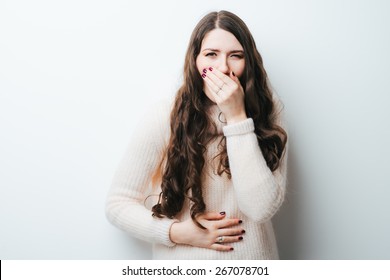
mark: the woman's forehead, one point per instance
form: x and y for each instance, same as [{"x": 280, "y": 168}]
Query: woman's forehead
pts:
[{"x": 219, "y": 39}]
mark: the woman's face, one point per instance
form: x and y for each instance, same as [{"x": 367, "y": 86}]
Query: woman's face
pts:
[{"x": 221, "y": 50}]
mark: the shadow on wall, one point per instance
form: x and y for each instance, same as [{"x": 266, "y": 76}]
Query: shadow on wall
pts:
[{"x": 287, "y": 222}]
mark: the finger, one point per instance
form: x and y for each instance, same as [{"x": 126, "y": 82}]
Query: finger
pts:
[
  {"x": 220, "y": 77},
  {"x": 228, "y": 239},
  {"x": 230, "y": 232},
  {"x": 228, "y": 223},
  {"x": 219, "y": 83},
  {"x": 234, "y": 77},
  {"x": 231, "y": 86},
  {"x": 212, "y": 84},
  {"x": 216, "y": 96},
  {"x": 213, "y": 215},
  {"x": 220, "y": 247}
]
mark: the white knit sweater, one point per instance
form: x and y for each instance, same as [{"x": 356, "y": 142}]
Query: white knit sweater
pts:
[{"x": 253, "y": 194}]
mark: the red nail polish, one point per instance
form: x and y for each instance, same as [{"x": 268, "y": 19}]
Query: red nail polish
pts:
[
  {"x": 240, "y": 221},
  {"x": 243, "y": 231},
  {"x": 231, "y": 249},
  {"x": 211, "y": 69},
  {"x": 222, "y": 213},
  {"x": 204, "y": 70},
  {"x": 203, "y": 76},
  {"x": 240, "y": 238},
  {"x": 233, "y": 74}
]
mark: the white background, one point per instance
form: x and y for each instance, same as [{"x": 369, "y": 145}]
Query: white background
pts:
[{"x": 76, "y": 75}]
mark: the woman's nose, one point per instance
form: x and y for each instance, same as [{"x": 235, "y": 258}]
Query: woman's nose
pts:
[{"x": 223, "y": 66}]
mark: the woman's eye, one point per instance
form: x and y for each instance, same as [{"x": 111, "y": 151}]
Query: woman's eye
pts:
[
  {"x": 237, "y": 56},
  {"x": 211, "y": 54}
]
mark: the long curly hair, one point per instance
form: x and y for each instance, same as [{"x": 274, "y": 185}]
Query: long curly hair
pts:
[{"x": 190, "y": 125}]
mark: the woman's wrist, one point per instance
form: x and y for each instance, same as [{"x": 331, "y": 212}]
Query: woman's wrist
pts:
[
  {"x": 237, "y": 118},
  {"x": 174, "y": 233}
]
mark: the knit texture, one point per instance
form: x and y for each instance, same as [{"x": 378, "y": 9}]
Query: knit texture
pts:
[{"x": 253, "y": 194}]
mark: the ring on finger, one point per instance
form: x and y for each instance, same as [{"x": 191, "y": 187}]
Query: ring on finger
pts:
[
  {"x": 220, "y": 239},
  {"x": 220, "y": 88}
]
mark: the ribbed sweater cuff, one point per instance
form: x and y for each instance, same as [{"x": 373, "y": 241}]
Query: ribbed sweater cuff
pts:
[
  {"x": 162, "y": 232},
  {"x": 239, "y": 128}
]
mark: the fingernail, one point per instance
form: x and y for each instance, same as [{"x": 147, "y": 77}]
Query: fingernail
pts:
[
  {"x": 231, "y": 249},
  {"x": 240, "y": 221},
  {"x": 204, "y": 70},
  {"x": 240, "y": 238},
  {"x": 233, "y": 74},
  {"x": 203, "y": 76},
  {"x": 243, "y": 231},
  {"x": 211, "y": 68},
  {"x": 222, "y": 213}
]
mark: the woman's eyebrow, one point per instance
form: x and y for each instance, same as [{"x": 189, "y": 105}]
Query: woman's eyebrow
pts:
[
  {"x": 217, "y": 50},
  {"x": 210, "y": 49}
]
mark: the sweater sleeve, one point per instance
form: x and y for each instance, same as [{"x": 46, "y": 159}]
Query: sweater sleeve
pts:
[
  {"x": 260, "y": 192},
  {"x": 125, "y": 205}
]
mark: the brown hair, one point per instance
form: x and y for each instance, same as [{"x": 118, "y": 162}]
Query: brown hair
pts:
[{"x": 190, "y": 126}]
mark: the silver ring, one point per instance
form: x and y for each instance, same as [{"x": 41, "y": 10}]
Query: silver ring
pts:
[
  {"x": 220, "y": 88},
  {"x": 220, "y": 239}
]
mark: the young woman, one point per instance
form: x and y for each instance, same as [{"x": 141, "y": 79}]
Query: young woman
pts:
[{"x": 215, "y": 160}]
